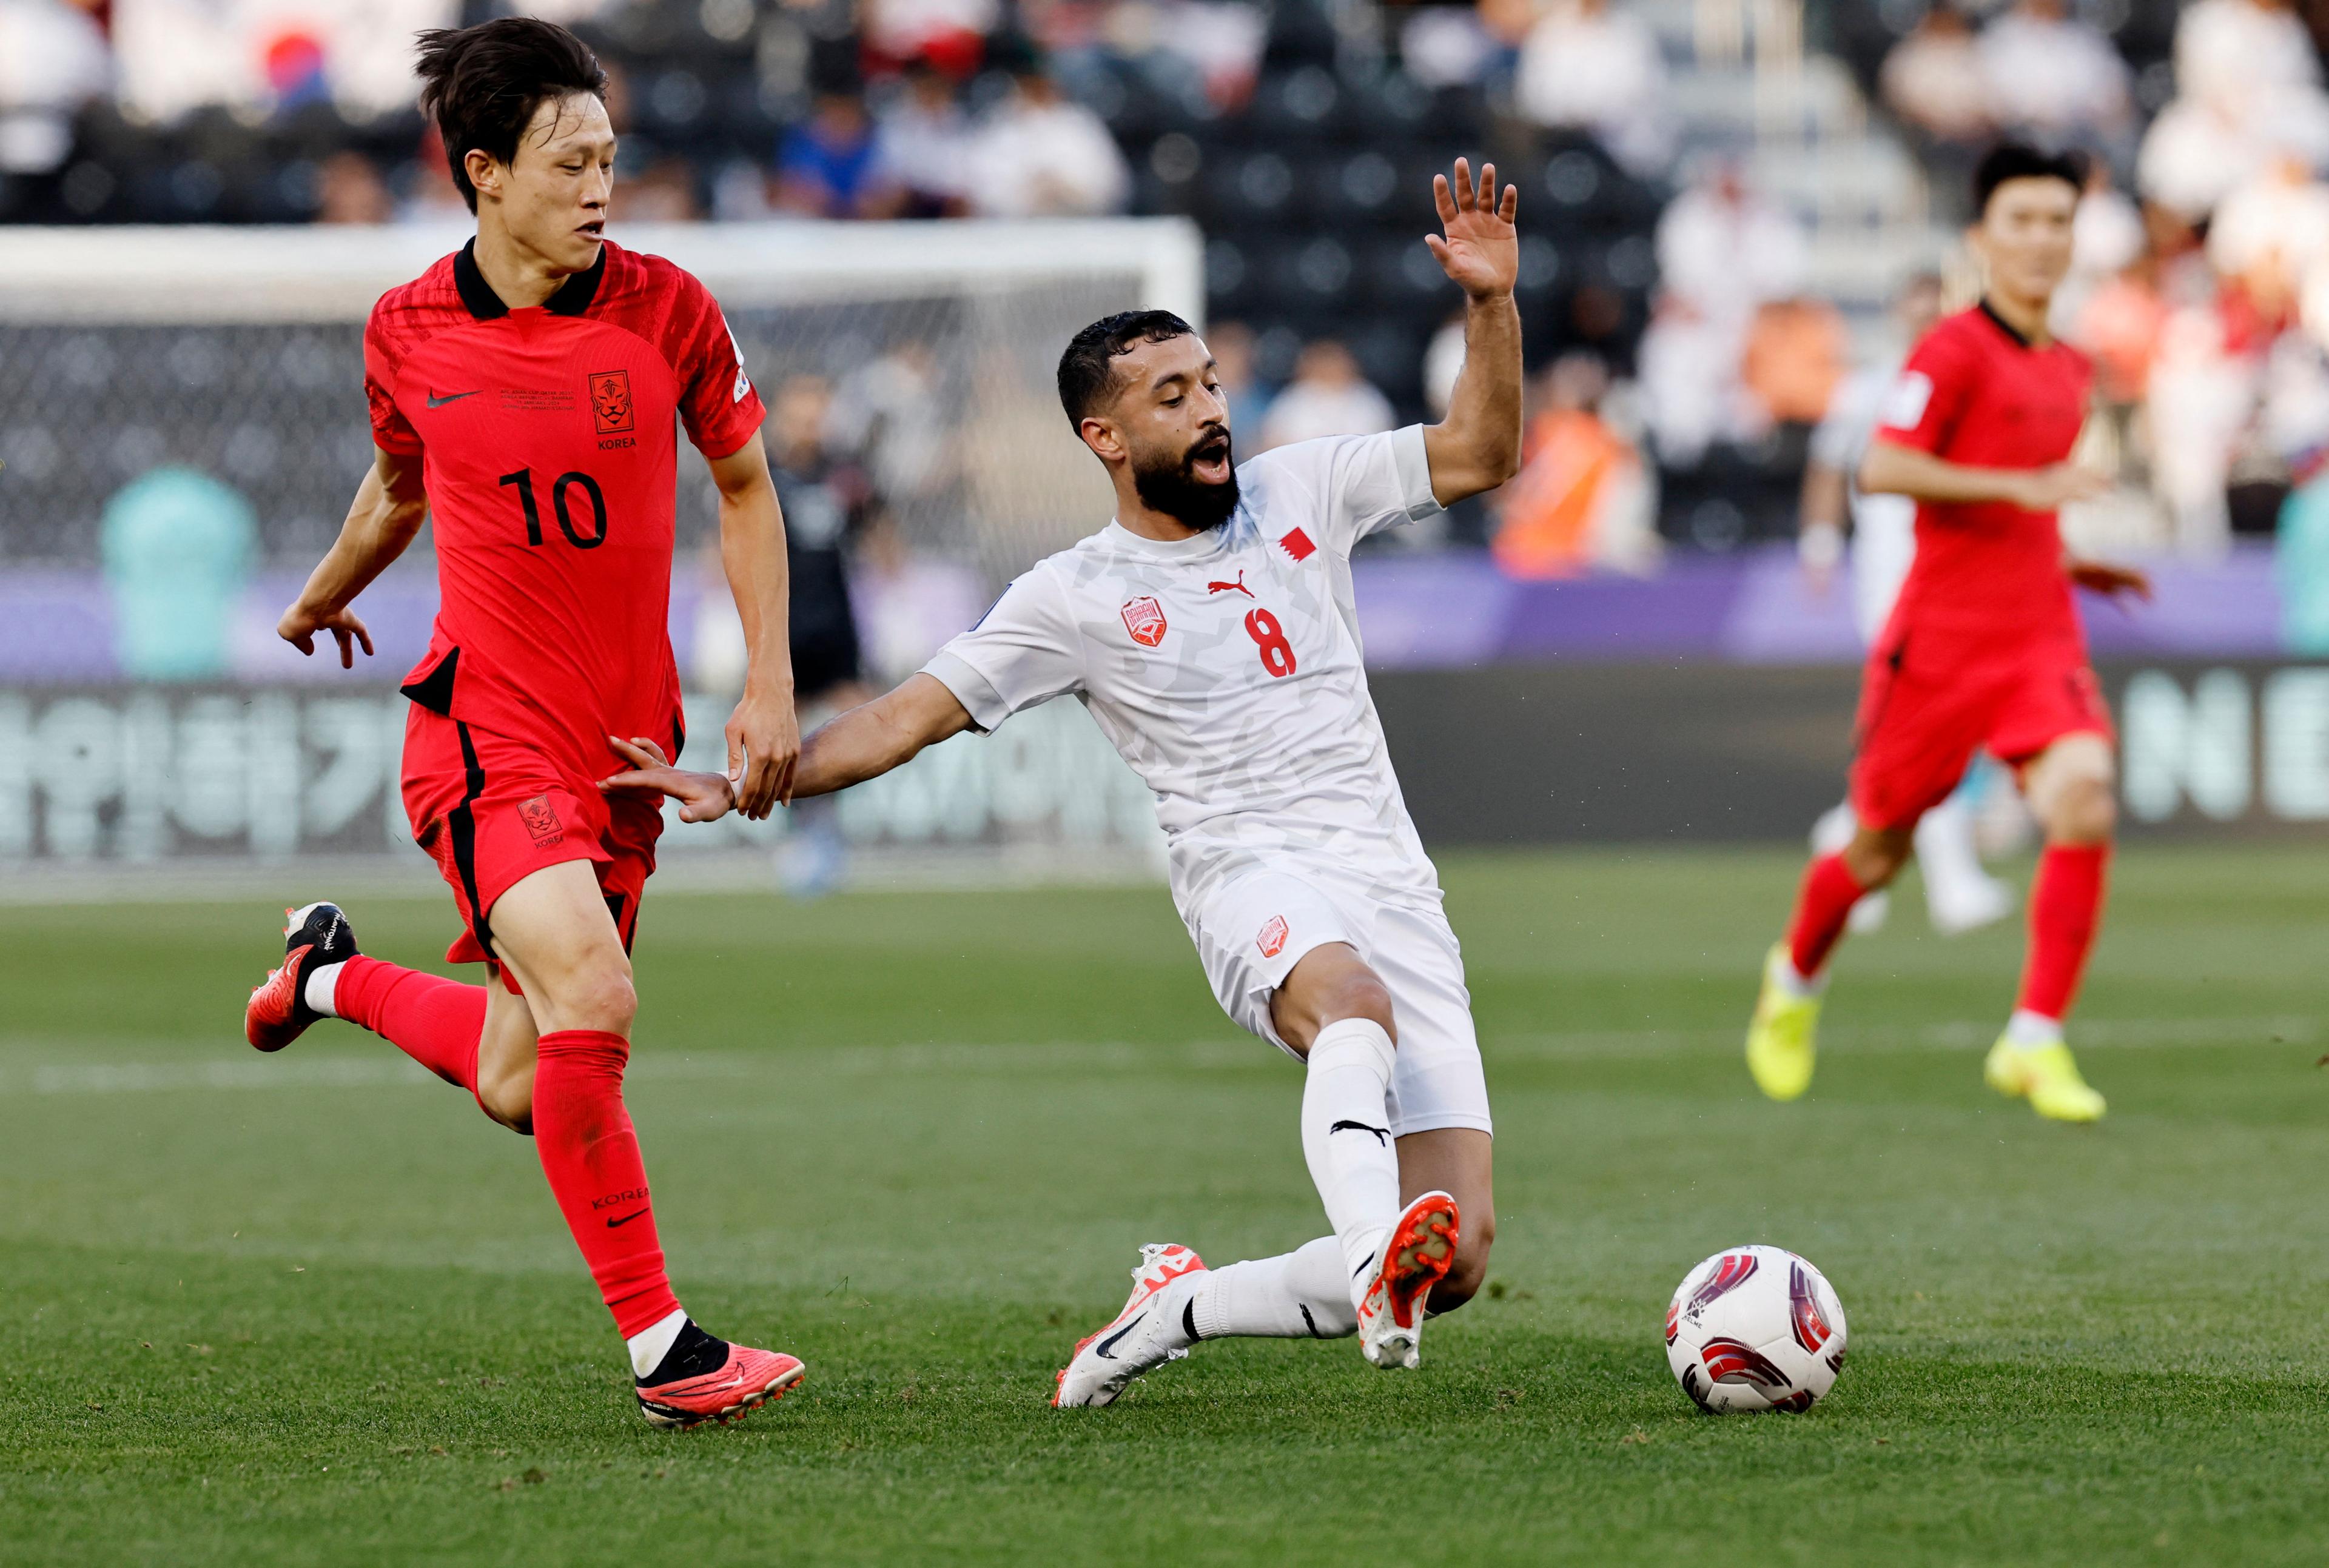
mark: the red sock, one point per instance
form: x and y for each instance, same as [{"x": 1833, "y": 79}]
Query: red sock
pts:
[
  {"x": 435, "y": 1021},
  {"x": 1822, "y": 904},
  {"x": 592, "y": 1156},
  {"x": 2066, "y": 904}
]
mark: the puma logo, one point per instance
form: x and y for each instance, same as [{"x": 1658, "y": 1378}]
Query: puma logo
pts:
[
  {"x": 1236, "y": 587},
  {"x": 1382, "y": 1134}
]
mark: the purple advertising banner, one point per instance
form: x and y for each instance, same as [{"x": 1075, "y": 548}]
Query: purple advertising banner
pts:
[{"x": 1421, "y": 612}]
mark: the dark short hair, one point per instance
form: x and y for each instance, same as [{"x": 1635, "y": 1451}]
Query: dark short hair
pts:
[
  {"x": 2021, "y": 161},
  {"x": 484, "y": 84},
  {"x": 1087, "y": 368}
]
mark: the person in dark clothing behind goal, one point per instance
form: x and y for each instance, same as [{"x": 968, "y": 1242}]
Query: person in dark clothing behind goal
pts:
[{"x": 827, "y": 501}]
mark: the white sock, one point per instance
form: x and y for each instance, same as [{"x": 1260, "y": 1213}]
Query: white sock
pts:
[
  {"x": 1296, "y": 1295},
  {"x": 1346, "y": 1140},
  {"x": 321, "y": 988},
  {"x": 651, "y": 1343},
  {"x": 2033, "y": 1031},
  {"x": 1783, "y": 971}
]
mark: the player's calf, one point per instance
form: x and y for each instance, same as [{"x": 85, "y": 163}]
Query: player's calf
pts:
[
  {"x": 507, "y": 1054},
  {"x": 1470, "y": 1272},
  {"x": 2072, "y": 790}
]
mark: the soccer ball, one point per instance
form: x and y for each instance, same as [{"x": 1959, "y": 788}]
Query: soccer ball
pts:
[{"x": 1755, "y": 1328}]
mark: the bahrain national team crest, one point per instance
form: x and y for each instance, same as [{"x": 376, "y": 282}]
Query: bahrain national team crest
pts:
[
  {"x": 610, "y": 401},
  {"x": 1144, "y": 617},
  {"x": 1272, "y": 939}
]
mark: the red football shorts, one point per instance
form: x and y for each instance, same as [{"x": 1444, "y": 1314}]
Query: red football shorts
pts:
[
  {"x": 1926, "y": 708},
  {"x": 493, "y": 811}
]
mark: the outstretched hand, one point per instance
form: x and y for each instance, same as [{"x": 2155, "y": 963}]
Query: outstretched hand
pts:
[
  {"x": 1481, "y": 249},
  {"x": 300, "y": 623},
  {"x": 703, "y": 797}
]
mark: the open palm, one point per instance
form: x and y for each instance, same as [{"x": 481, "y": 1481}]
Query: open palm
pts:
[{"x": 1481, "y": 250}]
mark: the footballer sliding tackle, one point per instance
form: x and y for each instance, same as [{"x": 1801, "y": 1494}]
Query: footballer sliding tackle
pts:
[{"x": 1209, "y": 630}]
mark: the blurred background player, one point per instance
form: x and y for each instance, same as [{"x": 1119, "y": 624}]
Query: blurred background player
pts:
[
  {"x": 829, "y": 504},
  {"x": 1959, "y": 895},
  {"x": 1985, "y": 647},
  {"x": 1211, "y": 631},
  {"x": 526, "y": 392},
  {"x": 828, "y": 500}
]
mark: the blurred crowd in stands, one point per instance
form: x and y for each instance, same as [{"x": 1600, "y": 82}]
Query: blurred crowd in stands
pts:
[
  {"x": 1683, "y": 345},
  {"x": 2201, "y": 291}
]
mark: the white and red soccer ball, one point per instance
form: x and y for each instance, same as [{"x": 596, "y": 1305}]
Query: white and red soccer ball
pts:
[{"x": 1755, "y": 1328}]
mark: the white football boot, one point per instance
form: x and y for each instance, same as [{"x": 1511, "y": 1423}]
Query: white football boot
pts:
[
  {"x": 1140, "y": 1338},
  {"x": 1419, "y": 1251}
]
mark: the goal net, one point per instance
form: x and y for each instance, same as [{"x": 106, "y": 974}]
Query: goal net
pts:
[{"x": 236, "y": 355}]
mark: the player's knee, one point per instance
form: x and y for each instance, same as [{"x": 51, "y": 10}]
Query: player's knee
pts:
[
  {"x": 1359, "y": 994},
  {"x": 2085, "y": 812},
  {"x": 1875, "y": 856},
  {"x": 602, "y": 998}
]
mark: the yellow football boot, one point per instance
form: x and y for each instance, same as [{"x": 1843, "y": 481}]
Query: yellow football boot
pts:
[
  {"x": 2046, "y": 1076},
  {"x": 1783, "y": 1038}
]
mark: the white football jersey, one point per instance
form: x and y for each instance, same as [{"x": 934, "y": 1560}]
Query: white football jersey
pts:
[{"x": 1226, "y": 670}]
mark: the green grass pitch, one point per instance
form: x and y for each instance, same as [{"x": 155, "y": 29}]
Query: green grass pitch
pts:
[{"x": 315, "y": 1309}]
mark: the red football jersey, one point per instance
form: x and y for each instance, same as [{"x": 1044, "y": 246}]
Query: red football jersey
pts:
[
  {"x": 1975, "y": 392},
  {"x": 549, "y": 448}
]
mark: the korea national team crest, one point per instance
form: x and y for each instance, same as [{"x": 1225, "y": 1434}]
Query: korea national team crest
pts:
[
  {"x": 1272, "y": 939},
  {"x": 1144, "y": 617},
  {"x": 610, "y": 400},
  {"x": 541, "y": 819}
]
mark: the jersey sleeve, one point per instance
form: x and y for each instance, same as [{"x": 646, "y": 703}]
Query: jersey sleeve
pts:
[
  {"x": 716, "y": 401},
  {"x": 1356, "y": 485},
  {"x": 1922, "y": 407},
  {"x": 390, "y": 431},
  {"x": 1024, "y": 650}
]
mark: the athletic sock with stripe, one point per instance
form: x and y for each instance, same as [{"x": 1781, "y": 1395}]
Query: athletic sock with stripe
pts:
[
  {"x": 1346, "y": 1140},
  {"x": 1296, "y": 1295}
]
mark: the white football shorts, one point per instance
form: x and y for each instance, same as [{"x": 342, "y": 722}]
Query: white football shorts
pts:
[{"x": 1252, "y": 932}]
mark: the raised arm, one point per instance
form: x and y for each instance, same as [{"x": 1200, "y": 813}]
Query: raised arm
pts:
[
  {"x": 1479, "y": 446},
  {"x": 386, "y": 514},
  {"x": 863, "y": 743},
  {"x": 764, "y": 732},
  {"x": 1892, "y": 469}
]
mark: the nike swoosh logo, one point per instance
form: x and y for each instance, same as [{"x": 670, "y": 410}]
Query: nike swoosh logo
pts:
[
  {"x": 436, "y": 402},
  {"x": 625, "y": 1219},
  {"x": 1101, "y": 1349}
]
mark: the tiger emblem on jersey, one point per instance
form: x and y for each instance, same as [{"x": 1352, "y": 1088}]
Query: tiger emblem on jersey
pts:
[
  {"x": 610, "y": 401},
  {"x": 1144, "y": 617},
  {"x": 541, "y": 819}
]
